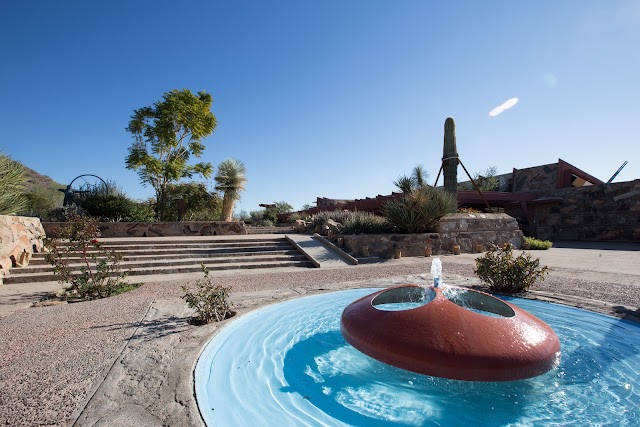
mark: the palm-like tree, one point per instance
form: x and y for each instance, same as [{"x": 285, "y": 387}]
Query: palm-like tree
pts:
[{"x": 230, "y": 180}]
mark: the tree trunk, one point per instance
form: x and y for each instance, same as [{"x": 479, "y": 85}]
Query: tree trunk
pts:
[{"x": 227, "y": 207}]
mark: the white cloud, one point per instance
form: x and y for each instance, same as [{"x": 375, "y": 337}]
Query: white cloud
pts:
[
  {"x": 505, "y": 106},
  {"x": 551, "y": 80}
]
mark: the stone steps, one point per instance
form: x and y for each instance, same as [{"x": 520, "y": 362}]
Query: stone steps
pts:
[
  {"x": 40, "y": 261},
  {"x": 270, "y": 230},
  {"x": 151, "y": 256}
]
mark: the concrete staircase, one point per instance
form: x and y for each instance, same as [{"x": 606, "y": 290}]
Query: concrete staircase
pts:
[{"x": 159, "y": 256}]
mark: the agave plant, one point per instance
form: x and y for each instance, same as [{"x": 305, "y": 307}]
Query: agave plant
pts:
[
  {"x": 366, "y": 223},
  {"x": 419, "y": 210}
]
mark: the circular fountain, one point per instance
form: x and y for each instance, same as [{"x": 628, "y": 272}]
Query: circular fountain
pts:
[
  {"x": 451, "y": 333},
  {"x": 290, "y": 364}
]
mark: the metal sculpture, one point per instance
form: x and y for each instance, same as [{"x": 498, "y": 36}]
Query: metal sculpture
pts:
[{"x": 69, "y": 191}]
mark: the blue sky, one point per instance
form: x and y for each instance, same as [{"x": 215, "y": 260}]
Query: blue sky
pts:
[{"x": 334, "y": 98}]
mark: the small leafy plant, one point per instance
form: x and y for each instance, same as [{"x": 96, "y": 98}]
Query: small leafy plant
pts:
[
  {"x": 504, "y": 273},
  {"x": 211, "y": 302},
  {"x": 536, "y": 244},
  {"x": 97, "y": 273}
]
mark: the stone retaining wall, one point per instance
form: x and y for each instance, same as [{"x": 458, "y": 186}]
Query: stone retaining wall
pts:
[
  {"x": 465, "y": 230},
  {"x": 161, "y": 229},
  {"x": 20, "y": 236}
]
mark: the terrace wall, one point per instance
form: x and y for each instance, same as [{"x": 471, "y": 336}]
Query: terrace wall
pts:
[
  {"x": 465, "y": 230},
  {"x": 161, "y": 229},
  {"x": 20, "y": 236}
]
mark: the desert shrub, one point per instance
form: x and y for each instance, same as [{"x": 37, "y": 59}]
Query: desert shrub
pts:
[
  {"x": 366, "y": 223},
  {"x": 294, "y": 217},
  {"x": 97, "y": 273},
  {"x": 469, "y": 210},
  {"x": 110, "y": 203},
  {"x": 210, "y": 301},
  {"x": 419, "y": 209},
  {"x": 340, "y": 216},
  {"x": 504, "y": 273},
  {"x": 536, "y": 244},
  {"x": 41, "y": 201}
]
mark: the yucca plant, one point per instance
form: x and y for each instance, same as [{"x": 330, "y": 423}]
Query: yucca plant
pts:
[
  {"x": 12, "y": 179},
  {"x": 230, "y": 180},
  {"x": 419, "y": 210}
]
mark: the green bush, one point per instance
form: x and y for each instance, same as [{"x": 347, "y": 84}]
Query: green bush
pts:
[
  {"x": 41, "y": 201},
  {"x": 109, "y": 203},
  {"x": 419, "y": 209},
  {"x": 536, "y": 244},
  {"x": 503, "y": 273},
  {"x": 97, "y": 274},
  {"x": 211, "y": 302}
]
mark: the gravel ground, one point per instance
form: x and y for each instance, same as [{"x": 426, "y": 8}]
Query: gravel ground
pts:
[{"x": 54, "y": 358}]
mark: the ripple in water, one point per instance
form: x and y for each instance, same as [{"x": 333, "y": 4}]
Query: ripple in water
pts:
[{"x": 287, "y": 364}]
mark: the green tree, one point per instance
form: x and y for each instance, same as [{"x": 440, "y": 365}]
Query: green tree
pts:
[
  {"x": 230, "y": 180},
  {"x": 194, "y": 200},
  {"x": 165, "y": 137},
  {"x": 283, "y": 207},
  {"x": 486, "y": 181},
  {"x": 12, "y": 178},
  {"x": 271, "y": 213}
]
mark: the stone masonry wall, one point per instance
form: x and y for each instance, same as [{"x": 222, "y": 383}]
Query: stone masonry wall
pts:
[
  {"x": 536, "y": 178},
  {"x": 162, "y": 229},
  {"x": 595, "y": 212},
  {"x": 20, "y": 236},
  {"x": 466, "y": 230}
]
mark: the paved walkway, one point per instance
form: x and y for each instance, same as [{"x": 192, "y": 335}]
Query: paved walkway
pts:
[{"x": 317, "y": 252}]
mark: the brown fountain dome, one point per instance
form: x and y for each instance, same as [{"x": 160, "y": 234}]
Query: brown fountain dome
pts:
[{"x": 459, "y": 334}]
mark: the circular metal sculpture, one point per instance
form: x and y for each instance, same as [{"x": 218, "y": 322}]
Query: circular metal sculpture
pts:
[
  {"x": 452, "y": 333},
  {"x": 89, "y": 183}
]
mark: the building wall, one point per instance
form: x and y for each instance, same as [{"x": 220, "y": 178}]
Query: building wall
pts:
[
  {"x": 595, "y": 212},
  {"x": 535, "y": 179}
]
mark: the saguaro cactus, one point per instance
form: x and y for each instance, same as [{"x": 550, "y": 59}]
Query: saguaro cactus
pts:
[{"x": 450, "y": 157}]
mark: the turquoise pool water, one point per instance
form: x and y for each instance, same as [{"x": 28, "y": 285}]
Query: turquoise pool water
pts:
[{"x": 288, "y": 365}]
